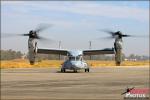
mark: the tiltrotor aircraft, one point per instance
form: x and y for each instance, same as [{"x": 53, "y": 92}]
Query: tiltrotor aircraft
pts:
[{"x": 75, "y": 59}]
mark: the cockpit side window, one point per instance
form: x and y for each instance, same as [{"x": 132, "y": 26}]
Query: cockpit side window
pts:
[
  {"x": 78, "y": 58},
  {"x": 72, "y": 58}
]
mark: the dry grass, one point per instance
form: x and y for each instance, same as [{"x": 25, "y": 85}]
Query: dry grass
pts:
[
  {"x": 112, "y": 63},
  {"x": 25, "y": 63},
  {"x": 56, "y": 63}
]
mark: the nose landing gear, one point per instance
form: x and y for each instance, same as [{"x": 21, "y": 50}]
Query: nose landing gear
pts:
[
  {"x": 75, "y": 71},
  {"x": 63, "y": 70}
]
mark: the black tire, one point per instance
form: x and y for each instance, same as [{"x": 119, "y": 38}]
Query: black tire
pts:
[
  {"x": 75, "y": 71},
  {"x": 88, "y": 70},
  {"x": 63, "y": 70}
]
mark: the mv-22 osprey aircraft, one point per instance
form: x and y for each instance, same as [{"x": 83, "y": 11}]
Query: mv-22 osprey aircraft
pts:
[{"x": 75, "y": 58}]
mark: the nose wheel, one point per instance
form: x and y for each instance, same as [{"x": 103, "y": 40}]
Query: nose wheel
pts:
[
  {"x": 75, "y": 71},
  {"x": 63, "y": 70},
  {"x": 87, "y": 70}
]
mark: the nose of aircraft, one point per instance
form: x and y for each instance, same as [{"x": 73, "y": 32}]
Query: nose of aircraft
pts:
[{"x": 74, "y": 64}]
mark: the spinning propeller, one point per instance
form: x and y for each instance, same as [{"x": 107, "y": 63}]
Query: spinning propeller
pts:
[
  {"x": 119, "y": 34},
  {"x": 32, "y": 33}
]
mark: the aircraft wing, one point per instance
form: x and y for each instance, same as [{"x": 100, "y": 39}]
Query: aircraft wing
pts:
[
  {"x": 97, "y": 52},
  {"x": 52, "y": 51}
]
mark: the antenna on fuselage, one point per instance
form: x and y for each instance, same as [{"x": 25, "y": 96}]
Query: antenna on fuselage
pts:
[
  {"x": 59, "y": 44},
  {"x": 90, "y": 47},
  {"x": 90, "y": 44},
  {"x": 59, "y": 48}
]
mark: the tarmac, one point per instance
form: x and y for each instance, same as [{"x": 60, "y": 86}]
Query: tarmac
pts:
[{"x": 100, "y": 83}]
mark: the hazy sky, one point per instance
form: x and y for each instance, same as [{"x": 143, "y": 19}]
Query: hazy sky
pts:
[{"x": 75, "y": 23}]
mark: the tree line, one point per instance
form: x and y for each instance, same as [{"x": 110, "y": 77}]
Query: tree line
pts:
[{"x": 11, "y": 54}]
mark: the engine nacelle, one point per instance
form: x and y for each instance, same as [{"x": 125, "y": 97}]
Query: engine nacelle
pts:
[
  {"x": 32, "y": 47},
  {"x": 118, "y": 51}
]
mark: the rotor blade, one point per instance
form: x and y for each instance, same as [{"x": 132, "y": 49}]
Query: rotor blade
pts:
[
  {"x": 108, "y": 31},
  {"x": 25, "y": 34},
  {"x": 8, "y": 35},
  {"x": 43, "y": 38},
  {"x": 124, "y": 35},
  {"x": 106, "y": 38},
  {"x": 42, "y": 27},
  {"x": 136, "y": 36}
]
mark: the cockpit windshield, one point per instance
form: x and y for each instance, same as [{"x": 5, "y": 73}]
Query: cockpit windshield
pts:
[
  {"x": 72, "y": 58},
  {"x": 77, "y": 58}
]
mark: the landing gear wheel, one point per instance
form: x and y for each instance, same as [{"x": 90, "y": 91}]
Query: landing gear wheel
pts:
[
  {"x": 75, "y": 71},
  {"x": 87, "y": 70},
  {"x": 63, "y": 70}
]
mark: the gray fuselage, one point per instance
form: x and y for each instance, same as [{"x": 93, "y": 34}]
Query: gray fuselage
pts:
[{"x": 75, "y": 61}]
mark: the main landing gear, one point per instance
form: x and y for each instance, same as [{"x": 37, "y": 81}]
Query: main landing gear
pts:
[
  {"x": 87, "y": 70},
  {"x": 63, "y": 70}
]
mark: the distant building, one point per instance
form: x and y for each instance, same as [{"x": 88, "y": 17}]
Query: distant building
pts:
[{"x": 130, "y": 59}]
